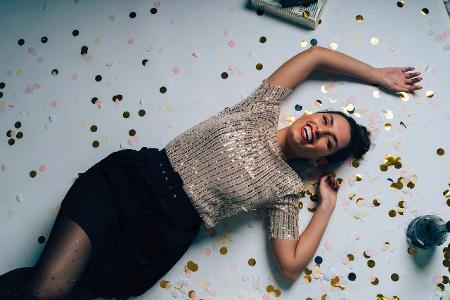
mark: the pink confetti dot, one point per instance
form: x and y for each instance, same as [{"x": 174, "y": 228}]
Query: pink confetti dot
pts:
[
  {"x": 231, "y": 43},
  {"x": 207, "y": 251},
  {"x": 130, "y": 141},
  {"x": 160, "y": 50},
  {"x": 4, "y": 167},
  {"x": 42, "y": 168},
  {"x": 130, "y": 41},
  {"x": 112, "y": 18},
  {"x": 176, "y": 70},
  {"x": 266, "y": 297},
  {"x": 74, "y": 76},
  {"x": 437, "y": 279},
  {"x": 99, "y": 103},
  {"x": 36, "y": 85},
  {"x": 226, "y": 32},
  {"x": 54, "y": 103}
]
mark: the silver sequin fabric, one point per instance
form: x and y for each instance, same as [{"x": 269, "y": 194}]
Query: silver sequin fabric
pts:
[{"x": 232, "y": 162}]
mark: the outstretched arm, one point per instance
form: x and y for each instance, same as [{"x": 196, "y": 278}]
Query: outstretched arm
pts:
[{"x": 296, "y": 69}]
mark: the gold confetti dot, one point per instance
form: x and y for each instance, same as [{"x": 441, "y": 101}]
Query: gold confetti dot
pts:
[
  {"x": 376, "y": 202},
  {"x": 307, "y": 278},
  {"x": 307, "y": 271},
  {"x": 374, "y": 281},
  {"x": 404, "y": 96},
  {"x": 335, "y": 280},
  {"x": 392, "y": 213},
  {"x": 269, "y": 288},
  {"x": 334, "y": 46},
  {"x": 355, "y": 163},
  {"x": 259, "y": 66},
  {"x": 424, "y": 11},
  {"x": 359, "y": 18},
  {"x": 95, "y": 144},
  {"x": 358, "y": 177},
  {"x": 305, "y": 14},
  {"x": 383, "y": 167},
  {"x": 223, "y": 250},
  {"x": 163, "y": 283},
  {"x": 401, "y": 204},
  {"x": 303, "y": 43},
  {"x": 277, "y": 292},
  {"x": 400, "y": 3},
  {"x": 440, "y": 151},
  {"x": 387, "y": 126},
  {"x": 429, "y": 94},
  {"x": 192, "y": 266},
  {"x": 192, "y": 294},
  {"x": 374, "y": 41},
  {"x": 251, "y": 262},
  {"x": 371, "y": 263},
  {"x": 440, "y": 286},
  {"x": 394, "y": 277},
  {"x": 350, "y": 257},
  {"x": 397, "y": 165},
  {"x": 141, "y": 113},
  {"x": 446, "y": 194},
  {"x": 412, "y": 250}
]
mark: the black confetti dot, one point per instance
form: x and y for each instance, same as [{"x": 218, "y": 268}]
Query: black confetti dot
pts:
[
  {"x": 144, "y": 62},
  {"x": 21, "y": 42},
  {"x": 84, "y": 50},
  {"x": 98, "y": 78},
  {"x": 318, "y": 260},
  {"x": 33, "y": 174},
  {"x": 117, "y": 97},
  {"x": 132, "y": 132},
  {"x": 320, "y": 21},
  {"x": 19, "y": 135},
  {"x": 313, "y": 42},
  {"x": 93, "y": 128},
  {"x": 55, "y": 72},
  {"x": 17, "y": 124},
  {"x": 259, "y": 12},
  {"x": 224, "y": 75},
  {"x": 41, "y": 239},
  {"x": 163, "y": 89},
  {"x": 75, "y": 32},
  {"x": 95, "y": 144},
  {"x": 2, "y": 85},
  {"x": 352, "y": 276},
  {"x": 94, "y": 99},
  {"x": 141, "y": 113},
  {"x": 298, "y": 107},
  {"x": 259, "y": 66},
  {"x": 44, "y": 39},
  {"x": 153, "y": 11},
  {"x": 9, "y": 133},
  {"x": 11, "y": 142},
  {"x": 1, "y": 94},
  {"x": 132, "y": 14},
  {"x": 126, "y": 114},
  {"x": 263, "y": 39}
]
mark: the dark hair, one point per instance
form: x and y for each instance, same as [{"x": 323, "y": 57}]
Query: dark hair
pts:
[{"x": 359, "y": 140}]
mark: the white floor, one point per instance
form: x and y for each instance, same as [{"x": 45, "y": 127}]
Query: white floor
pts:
[{"x": 188, "y": 45}]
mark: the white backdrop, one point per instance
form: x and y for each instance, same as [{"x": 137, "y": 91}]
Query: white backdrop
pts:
[{"x": 188, "y": 45}]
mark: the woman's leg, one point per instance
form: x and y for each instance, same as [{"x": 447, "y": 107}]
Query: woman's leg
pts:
[{"x": 59, "y": 267}]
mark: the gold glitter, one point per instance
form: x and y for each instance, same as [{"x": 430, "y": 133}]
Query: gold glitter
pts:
[
  {"x": 401, "y": 204},
  {"x": 440, "y": 151},
  {"x": 335, "y": 280},
  {"x": 429, "y": 94},
  {"x": 355, "y": 163},
  {"x": 334, "y": 46},
  {"x": 192, "y": 294},
  {"x": 404, "y": 96},
  {"x": 359, "y": 18},
  {"x": 324, "y": 297},
  {"x": 374, "y": 41},
  {"x": 307, "y": 271},
  {"x": 400, "y": 3},
  {"x": 424, "y": 11},
  {"x": 446, "y": 194},
  {"x": 269, "y": 288},
  {"x": 392, "y": 213},
  {"x": 259, "y": 66},
  {"x": 365, "y": 254},
  {"x": 412, "y": 250},
  {"x": 350, "y": 257},
  {"x": 374, "y": 281},
  {"x": 251, "y": 262},
  {"x": 411, "y": 185},
  {"x": 192, "y": 266},
  {"x": 395, "y": 298},
  {"x": 358, "y": 177},
  {"x": 387, "y": 126},
  {"x": 163, "y": 283},
  {"x": 303, "y": 43},
  {"x": 445, "y": 279},
  {"x": 441, "y": 287},
  {"x": 376, "y": 94},
  {"x": 300, "y": 205},
  {"x": 397, "y": 165},
  {"x": 376, "y": 202},
  {"x": 277, "y": 292},
  {"x": 371, "y": 263},
  {"x": 446, "y": 263},
  {"x": 394, "y": 277},
  {"x": 223, "y": 250},
  {"x": 307, "y": 278},
  {"x": 383, "y": 167},
  {"x": 305, "y": 14}
]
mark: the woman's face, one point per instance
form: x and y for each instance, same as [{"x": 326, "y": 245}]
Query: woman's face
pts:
[{"x": 317, "y": 135}]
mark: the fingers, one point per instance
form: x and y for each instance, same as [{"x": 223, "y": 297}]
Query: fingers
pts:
[{"x": 406, "y": 69}]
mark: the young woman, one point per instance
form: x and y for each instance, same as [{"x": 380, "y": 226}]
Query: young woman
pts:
[{"x": 127, "y": 220}]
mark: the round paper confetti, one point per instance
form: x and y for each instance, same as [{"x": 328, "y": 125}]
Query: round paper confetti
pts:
[
  {"x": 359, "y": 18},
  {"x": 334, "y": 46},
  {"x": 424, "y": 11},
  {"x": 440, "y": 151},
  {"x": 374, "y": 41},
  {"x": 303, "y": 43}
]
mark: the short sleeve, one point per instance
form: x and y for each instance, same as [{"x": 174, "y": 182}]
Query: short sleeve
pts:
[
  {"x": 282, "y": 218},
  {"x": 265, "y": 94}
]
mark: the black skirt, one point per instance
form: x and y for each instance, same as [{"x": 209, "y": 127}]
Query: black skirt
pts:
[{"x": 138, "y": 218}]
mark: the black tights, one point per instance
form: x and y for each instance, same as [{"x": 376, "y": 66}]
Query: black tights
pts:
[{"x": 58, "y": 272}]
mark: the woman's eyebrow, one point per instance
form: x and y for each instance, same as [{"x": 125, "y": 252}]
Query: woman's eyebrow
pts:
[{"x": 332, "y": 120}]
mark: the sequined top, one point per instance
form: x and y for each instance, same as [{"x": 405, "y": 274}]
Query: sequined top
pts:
[{"x": 232, "y": 162}]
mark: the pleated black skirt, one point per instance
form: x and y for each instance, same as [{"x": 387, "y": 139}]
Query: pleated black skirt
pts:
[{"x": 138, "y": 218}]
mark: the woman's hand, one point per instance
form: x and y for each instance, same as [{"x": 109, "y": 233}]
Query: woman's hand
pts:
[
  {"x": 398, "y": 80},
  {"x": 328, "y": 187}
]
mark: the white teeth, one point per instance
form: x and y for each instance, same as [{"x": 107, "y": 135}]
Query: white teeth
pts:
[{"x": 308, "y": 134}]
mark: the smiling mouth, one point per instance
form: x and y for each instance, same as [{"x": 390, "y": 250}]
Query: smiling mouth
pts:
[{"x": 307, "y": 134}]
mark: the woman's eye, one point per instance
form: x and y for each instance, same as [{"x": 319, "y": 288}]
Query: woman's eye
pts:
[
  {"x": 329, "y": 144},
  {"x": 324, "y": 120}
]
